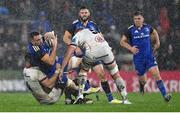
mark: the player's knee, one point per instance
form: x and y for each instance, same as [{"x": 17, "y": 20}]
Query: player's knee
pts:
[
  {"x": 142, "y": 82},
  {"x": 114, "y": 70}
]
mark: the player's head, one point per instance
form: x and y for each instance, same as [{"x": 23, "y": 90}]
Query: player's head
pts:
[
  {"x": 84, "y": 14},
  {"x": 36, "y": 38},
  {"x": 138, "y": 18}
]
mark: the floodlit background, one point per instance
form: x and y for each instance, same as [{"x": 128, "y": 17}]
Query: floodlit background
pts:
[{"x": 19, "y": 17}]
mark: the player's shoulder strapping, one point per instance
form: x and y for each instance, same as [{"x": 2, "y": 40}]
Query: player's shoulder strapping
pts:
[{"x": 36, "y": 48}]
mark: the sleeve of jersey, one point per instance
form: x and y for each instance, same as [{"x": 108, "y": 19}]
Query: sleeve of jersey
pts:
[
  {"x": 97, "y": 28},
  {"x": 39, "y": 52},
  {"x": 151, "y": 29},
  {"x": 71, "y": 29},
  {"x": 74, "y": 40},
  {"x": 127, "y": 33}
]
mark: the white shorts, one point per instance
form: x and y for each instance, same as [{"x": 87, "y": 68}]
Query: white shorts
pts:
[
  {"x": 75, "y": 62},
  {"x": 103, "y": 54},
  {"x": 32, "y": 77}
]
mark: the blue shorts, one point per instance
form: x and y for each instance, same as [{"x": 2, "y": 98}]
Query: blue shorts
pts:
[{"x": 142, "y": 65}]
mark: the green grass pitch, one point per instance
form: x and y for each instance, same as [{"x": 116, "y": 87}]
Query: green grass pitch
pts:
[{"x": 24, "y": 102}]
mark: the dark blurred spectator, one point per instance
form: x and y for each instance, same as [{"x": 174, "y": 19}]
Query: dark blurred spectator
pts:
[
  {"x": 164, "y": 20},
  {"x": 42, "y": 24},
  {"x": 4, "y": 10},
  {"x": 18, "y": 17},
  {"x": 24, "y": 34}
]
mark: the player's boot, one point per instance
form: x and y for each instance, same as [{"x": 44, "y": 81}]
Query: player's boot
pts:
[
  {"x": 91, "y": 90},
  {"x": 79, "y": 100},
  {"x": 126, "y": 101},
  {"x": 83, "y": 101},
  {"x": 115, "y": 101},
  {"x": 167, "y": 97},
  {"x": 87, "y": 101}
]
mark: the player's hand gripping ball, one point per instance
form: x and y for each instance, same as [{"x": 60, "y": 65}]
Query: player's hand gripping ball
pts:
[{"x": 49, "y": 37}]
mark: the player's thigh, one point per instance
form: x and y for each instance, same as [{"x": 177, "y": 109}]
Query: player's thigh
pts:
[
  {"x": 108, "y": 58},
  {"x": 154, "y": 70},
  {"x": 99, "y": 70},
  {"x": 75, "y": 62}
]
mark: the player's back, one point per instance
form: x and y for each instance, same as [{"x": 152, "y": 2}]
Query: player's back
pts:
[{"x": 91, "y": 39}]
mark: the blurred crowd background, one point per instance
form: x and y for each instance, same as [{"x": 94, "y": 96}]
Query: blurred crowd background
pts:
[{"x": 19, "y": 17}]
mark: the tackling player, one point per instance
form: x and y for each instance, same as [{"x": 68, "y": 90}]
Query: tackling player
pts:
[
  {"x": 82, "y": 23},
  {"x": 137, "y": 39},
  {"x": 97, "y": 53}
]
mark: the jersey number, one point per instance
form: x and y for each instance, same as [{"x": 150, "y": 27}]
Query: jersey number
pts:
[{"x": 99, "y": 39}]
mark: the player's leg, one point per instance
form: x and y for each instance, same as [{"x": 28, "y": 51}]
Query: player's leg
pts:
[
  {"x": 156, "y": 74},
  {"x": 85, "y": 68},
  {"x": 76, "y": 65},
  {"x": 141, "y": 70},
  {"x": 142, "y": 82},
  {"x": 120, "y": 83},
  {"x": 112, "y": 67},
  {"x": 99, "y": 70}
]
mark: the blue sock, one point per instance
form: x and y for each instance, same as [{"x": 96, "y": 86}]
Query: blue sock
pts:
[
  {"x": 161, "y": 87},
  {"x": 109, "y": 96},
  {"x": 106, "y": 88},
  {"x": 87, "y": 85}
]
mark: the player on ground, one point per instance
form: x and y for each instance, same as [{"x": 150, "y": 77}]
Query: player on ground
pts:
[
  {"x": 41, "y": 70},
  {"x": 97, "y": 53},
  {"x": 137, "y": 39}
]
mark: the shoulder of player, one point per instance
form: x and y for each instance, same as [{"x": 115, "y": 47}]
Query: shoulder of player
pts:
[
  {"x": 131, "y": 26},
  {"x": 92, "y": 22},
  {"x": 146, "y": 25},
  {"x": 75, "y": 21},
  {"x": 33, "y": 48}
]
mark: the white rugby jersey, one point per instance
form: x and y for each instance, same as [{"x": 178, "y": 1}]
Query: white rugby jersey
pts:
[{"x": 89, "y": 40}]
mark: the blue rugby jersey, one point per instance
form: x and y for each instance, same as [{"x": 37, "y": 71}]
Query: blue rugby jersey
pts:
[
  {"x": 35, "y": 53},
  {"x": 77, "y": 25},
  {"x": 140, "y": 38}
]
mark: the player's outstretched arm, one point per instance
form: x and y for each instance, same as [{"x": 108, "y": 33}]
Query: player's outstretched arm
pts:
[{"x": 70, "y": 51}]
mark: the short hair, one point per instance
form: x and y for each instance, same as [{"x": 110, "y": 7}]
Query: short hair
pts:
[
  {"x": 83, "y": 7},
  {"x": 137, "y": 13},
  {"x": 34, "y": 33}
]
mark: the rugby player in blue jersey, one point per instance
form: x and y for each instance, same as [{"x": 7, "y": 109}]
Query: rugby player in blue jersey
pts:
[
  {"x": 42, "y": 69},
  {"x": 137, "y": 39},
  {"x": 83, "y": 23}
]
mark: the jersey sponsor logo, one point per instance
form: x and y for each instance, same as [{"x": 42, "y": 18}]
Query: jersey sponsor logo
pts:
[
  {"x": 136, "y": 31},
  {"x": 141, "y": 36}
]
